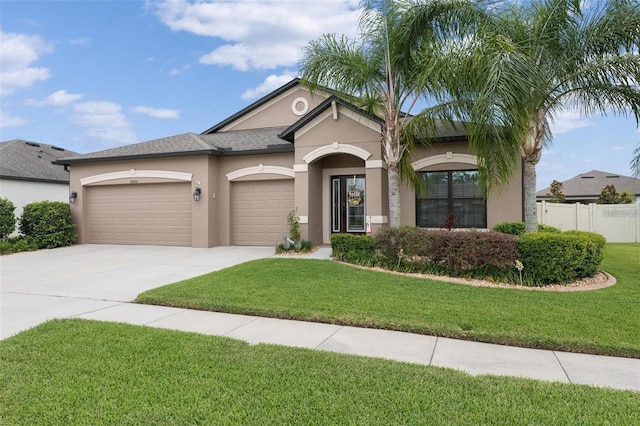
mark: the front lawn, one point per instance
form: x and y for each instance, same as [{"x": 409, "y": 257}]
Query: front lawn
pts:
[
  {"x": 600, "y": 322},
  {"x": 79, "y": 372}
]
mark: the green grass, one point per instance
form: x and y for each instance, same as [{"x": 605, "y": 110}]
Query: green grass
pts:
[
  {"x": 599, "y": 322},
  {"x": 79, "y": 372}
]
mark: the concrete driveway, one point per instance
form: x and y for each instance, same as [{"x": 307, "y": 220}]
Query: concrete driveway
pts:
[{"x": 70, "y": 281}]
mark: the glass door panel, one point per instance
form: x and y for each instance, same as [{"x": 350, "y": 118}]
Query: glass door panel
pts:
[
  {"x": 355, "y": 204},
  {"x": 348, "y": 204},
  {"x": 336, "y": 195}
]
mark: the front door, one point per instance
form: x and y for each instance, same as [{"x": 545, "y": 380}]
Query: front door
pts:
[{"x": 348, "y": 204}]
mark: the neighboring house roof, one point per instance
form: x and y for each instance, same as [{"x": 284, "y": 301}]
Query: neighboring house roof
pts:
[
  {"x": 24, "y": 160},
  {"x": 589, "y": 185}
]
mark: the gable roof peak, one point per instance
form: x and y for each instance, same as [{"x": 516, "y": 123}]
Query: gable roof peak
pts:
[{"x": 282, "y": 89}]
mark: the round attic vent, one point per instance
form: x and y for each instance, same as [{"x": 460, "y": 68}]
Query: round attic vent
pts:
[{"x": 300, "y": 106}]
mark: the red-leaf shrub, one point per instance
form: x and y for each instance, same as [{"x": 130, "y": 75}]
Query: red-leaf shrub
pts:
[{"x": 469, "y": 253}]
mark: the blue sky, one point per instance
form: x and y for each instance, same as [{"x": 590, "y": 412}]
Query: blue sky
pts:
[{"x": 92, "y": 75}]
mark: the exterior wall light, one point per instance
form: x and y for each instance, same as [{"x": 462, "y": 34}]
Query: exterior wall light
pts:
[
  {"x": 73, "y": 197},
  {"x": 196, "y": 194}
]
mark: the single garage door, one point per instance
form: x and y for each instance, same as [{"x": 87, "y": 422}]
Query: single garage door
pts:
[
  {"x": 259, "y": 212},
  {"x": 144, "y": 214}
]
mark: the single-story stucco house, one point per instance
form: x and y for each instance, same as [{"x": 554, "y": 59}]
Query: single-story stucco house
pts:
[
  {"x": 235, "y": 183},
  {"x": 587, "y": 187},
  {"x": 27, "y": 173}
]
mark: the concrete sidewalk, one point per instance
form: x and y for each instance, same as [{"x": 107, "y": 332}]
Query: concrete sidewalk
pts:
[
  {"x": 99, "y": 282},
  {"x": 472, "y": 357}
]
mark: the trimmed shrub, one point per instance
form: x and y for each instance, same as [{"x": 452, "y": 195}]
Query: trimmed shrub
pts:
[
  {"x": 548, "y": 228},
  {"x": 518, "y": 228},
  {"x": 7, "y": 217},
  {"x": 463, "y": 253},
  {"x": 49, "y": 223},
  {"x": 550, "y": 258},
  {"x": 357, "y": 249},
  {"x": 593, "y": 252}
]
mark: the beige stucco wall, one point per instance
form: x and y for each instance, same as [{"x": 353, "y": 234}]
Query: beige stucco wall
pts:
[{"x": 279, "y": 111}]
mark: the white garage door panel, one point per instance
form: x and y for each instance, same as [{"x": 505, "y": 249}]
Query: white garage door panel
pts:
[
  {"x": 260, "y": 210},
  {"x": 153, "y": 214}
]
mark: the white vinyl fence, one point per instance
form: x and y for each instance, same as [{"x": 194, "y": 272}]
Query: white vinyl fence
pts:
[{"x": 618, "y": 223}]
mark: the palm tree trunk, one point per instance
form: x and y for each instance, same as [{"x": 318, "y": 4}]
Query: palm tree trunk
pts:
[
  {"x": 529, "y": 189},
  {"x": 393, "y": 178}
]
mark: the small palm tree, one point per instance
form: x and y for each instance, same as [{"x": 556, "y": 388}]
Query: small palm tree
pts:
[{"x": 531, "y": 60}]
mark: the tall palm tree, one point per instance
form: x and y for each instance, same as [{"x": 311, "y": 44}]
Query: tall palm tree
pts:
[
  {"x": 378, "y": 71},
  {"x": 531, "y": 60}
]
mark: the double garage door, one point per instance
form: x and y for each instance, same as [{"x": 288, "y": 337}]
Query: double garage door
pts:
[
  {"x": 145, "y": 214},
  {"x": 160, "y": 214}
]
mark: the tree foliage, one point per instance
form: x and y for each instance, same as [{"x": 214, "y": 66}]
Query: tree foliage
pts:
[
  {"x": 397, "y": 60},
  {"x": 529, "y": 61},
  {"x": 556, "y": 194},
  {"x": 504, "y": 69},
  {"x": 610, "y": 195}
]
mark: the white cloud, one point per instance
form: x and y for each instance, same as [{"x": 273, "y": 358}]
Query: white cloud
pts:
[
  {"x": 177, "y": 71},
  {"x": 18, "y": 52},
  {"x": 104, "y": 123},
  {"x": 617, "y": 148},
  {"x": 83, "y": 41},
  {"x": 7, "y": 120},
  {"x": 56, "y": 99},
  {"x": 172, "y": 114},
  {"x": 269, "y": 85},
  {"x": 568, "y": 120},
  {"x": 259, "y": 34}
]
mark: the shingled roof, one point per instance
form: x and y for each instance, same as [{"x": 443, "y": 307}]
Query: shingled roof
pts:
[
  {"x": 25, "y": 160},
  {"x": 589, "y": 185},
  {"x": 236, "y": 142}
]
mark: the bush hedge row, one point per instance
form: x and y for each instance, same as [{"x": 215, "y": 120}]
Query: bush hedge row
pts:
[
  {"x": 518, "y": 228},
  {"x": 17, "y": 244},
  {"x": 548, "y": 257},
  {"x": 43, "y": 224}
]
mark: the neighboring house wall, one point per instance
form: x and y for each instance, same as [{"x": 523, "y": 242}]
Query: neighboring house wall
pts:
[
  {"x": 23, "y": 192},
  {"x": 618, "y": 223}
]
